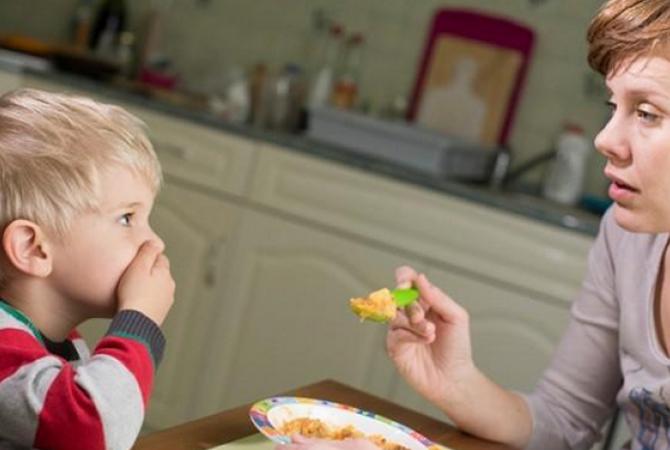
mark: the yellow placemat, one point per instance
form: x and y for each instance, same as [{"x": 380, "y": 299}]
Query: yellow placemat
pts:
[{"x": 254, "y": 442}]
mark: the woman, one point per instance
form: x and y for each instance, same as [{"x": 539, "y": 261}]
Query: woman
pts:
[{"x": 615, "y": 349}]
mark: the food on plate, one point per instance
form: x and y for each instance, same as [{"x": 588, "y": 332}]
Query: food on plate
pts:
[
  {"x": 379, "y": 306},
  {"x": 316, "y": 428}
]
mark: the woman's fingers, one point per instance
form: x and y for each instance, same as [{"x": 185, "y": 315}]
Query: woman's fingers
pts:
[
  {"x": 405, "y": 276},
  {"x": 440, "y": 303},
  {"x": 422, "y": 331},
  {"x": 402, "y": 335}
]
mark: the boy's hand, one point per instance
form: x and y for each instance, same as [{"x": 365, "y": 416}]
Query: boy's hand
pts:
[{"x": 147, "y": 285}]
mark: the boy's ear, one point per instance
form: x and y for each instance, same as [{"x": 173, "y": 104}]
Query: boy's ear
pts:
[{"x": 26, "y": 248}]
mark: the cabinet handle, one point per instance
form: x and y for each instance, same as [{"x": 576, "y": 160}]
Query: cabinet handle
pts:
[{"x": 174, "y": 150}]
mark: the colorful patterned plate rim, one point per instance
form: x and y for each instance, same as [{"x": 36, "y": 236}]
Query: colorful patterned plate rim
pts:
[{"x": 268, "y": 416}]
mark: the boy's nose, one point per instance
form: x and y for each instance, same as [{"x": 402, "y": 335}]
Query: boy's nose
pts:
[{"x": 157, "y": 240}]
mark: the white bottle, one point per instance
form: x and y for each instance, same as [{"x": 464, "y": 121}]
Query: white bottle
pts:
[
  {"x": 566, "y": 176},
  {"x": 237, "y": 96},
  {"x": 324, "y": 77}
]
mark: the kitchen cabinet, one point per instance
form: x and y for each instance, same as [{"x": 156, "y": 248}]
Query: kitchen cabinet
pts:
[
  {"x": 505, "y": 249},
  {"x": 198, "y": 230},
  {"x": 515, "y": 278},
  {"x": 286, "y": 320}
]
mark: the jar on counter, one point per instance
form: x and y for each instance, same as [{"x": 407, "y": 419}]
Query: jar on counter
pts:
[
  {"x": 288, "y": 94},
  {"x": 345, "y": 90}
]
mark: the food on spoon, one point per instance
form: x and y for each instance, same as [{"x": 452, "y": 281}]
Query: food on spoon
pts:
[
  {"x": 379, "y": 306},
  {"x": 315, "y": 428}
]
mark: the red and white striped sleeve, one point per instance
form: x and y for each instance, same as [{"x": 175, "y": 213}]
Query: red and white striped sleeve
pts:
[{"x": 95, "y": 403}]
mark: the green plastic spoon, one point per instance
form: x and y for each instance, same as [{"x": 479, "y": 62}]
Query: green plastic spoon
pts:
[
  {"x": 405, "y": 297},
  {"x": 401, "y": 298}
]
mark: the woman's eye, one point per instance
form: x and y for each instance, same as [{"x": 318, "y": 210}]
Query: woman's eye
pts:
[
  {"x": 125, "y": 219},
  {"x": 647, "y": 116}
]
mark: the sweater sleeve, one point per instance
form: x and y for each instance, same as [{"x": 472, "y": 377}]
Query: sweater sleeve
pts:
[
  {"x": 578, "y": 390},
  {"x": 98, "y": 403}
]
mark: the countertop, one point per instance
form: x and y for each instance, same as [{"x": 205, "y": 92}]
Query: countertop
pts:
[{"x": 532, "y": 207}]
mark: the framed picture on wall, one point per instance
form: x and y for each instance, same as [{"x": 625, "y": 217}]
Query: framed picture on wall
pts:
[{"x": 471, "y": 74}]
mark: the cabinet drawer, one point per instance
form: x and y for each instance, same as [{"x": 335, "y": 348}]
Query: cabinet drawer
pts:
[
  {"x": 199, "y": 154},
  {"x": 448, "y": 231}
]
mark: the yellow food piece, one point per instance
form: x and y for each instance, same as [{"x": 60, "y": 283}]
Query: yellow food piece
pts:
[
  {"x": 378, "y": 306},
  {"x": 315, "y": 428}
]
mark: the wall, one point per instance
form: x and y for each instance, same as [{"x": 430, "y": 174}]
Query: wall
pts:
[{"x": 205, "y": 38}]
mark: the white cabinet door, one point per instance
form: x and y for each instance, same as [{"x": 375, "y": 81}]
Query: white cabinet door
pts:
[
  {"x": 286, "y": 321},
  {"x": 197, "y": 231},
  {"x": 513, "y": 335},
  {"x": 471, "y": 238}
]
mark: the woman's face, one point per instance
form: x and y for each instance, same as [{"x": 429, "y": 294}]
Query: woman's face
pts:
[{"x": 636, "y": 143}]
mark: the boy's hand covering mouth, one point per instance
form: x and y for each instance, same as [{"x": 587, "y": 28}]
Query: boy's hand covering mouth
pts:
[{"x": 147, "y": 285}]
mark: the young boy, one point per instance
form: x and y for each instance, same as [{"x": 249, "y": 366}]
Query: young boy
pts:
[{"x": 77, "y": 184}]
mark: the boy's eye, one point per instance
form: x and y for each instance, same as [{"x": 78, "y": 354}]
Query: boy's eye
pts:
[{"x": 125, "y": 219}]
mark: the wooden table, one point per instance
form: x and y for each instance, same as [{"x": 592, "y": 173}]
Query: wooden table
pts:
[{"x": 234, "y": 424}]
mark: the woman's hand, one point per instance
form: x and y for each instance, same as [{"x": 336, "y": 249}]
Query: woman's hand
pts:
[
  {"x": 429, "y": 342},
  {"x": 303, "y": 443}
]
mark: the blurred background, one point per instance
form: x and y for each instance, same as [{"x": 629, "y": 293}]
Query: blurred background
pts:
[{"x": 209, "y": 48}]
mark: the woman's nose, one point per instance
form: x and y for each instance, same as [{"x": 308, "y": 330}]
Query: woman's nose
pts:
[{"x": 612, "y": 142}]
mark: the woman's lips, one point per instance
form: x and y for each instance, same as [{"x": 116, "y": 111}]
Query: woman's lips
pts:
[{"x": 621, "y": 192}]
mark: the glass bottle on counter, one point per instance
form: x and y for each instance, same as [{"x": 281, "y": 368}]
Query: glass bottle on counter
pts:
[
  {"x": 109, "y": 22},
  {"x": 287, "y": 99},
  {"x": 82, "y": 22},
  {"x": 323, "y": 80},
  {"x": 345, "y": 91}
]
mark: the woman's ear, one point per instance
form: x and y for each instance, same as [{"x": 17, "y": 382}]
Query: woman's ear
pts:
[{"x": 26, "y": 248}]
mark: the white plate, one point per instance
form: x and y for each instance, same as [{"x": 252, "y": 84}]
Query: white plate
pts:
[{"x": 269, "y": 416}]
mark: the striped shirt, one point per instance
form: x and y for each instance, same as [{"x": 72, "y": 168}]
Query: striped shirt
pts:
[{"x": 59, "y": 396}]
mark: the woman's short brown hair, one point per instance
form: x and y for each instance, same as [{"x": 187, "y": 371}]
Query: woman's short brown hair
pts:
[{"x": 624, "y": 30}]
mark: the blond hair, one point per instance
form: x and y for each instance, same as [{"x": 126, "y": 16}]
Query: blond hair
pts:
[
  {"x": 625, "y": 30},
  {"x": 52, "y": 150}
]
